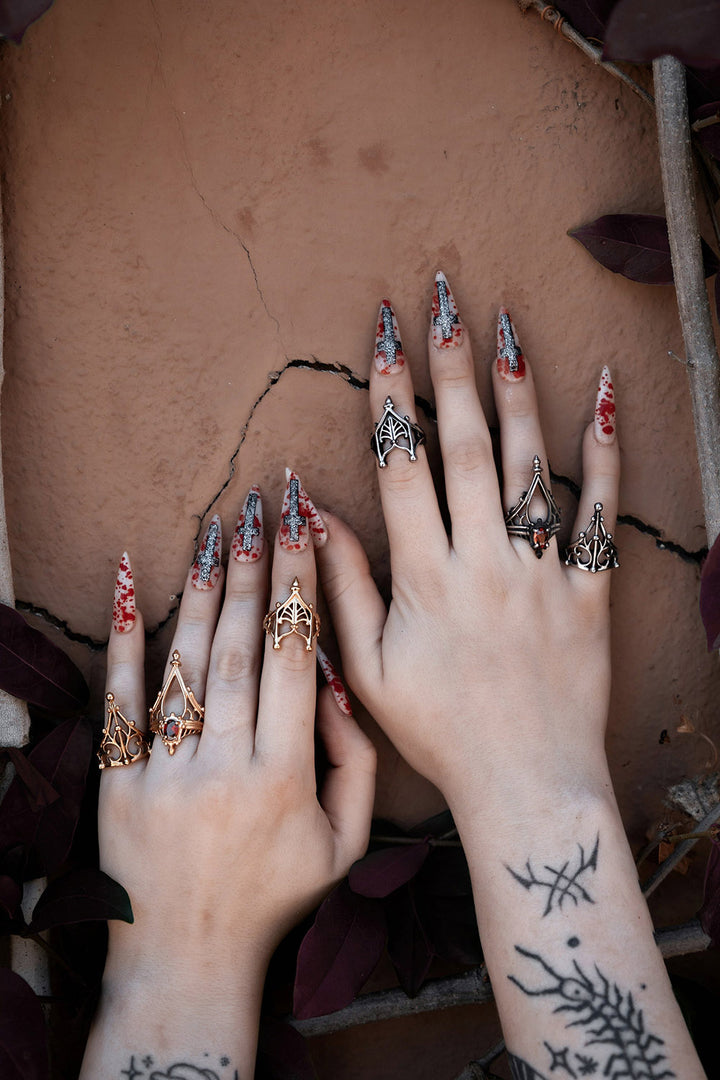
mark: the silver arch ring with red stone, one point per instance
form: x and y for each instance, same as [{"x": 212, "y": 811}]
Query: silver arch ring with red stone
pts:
[
  {"x": 175, "y": 726},
  {"x": 518, "y": 522}
]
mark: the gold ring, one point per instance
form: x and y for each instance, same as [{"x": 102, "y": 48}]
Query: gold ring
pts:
[
  {"x": 122, "y": 742},
  {"x": 174, "y": 727},
  {"x": 294, "y": 613}
]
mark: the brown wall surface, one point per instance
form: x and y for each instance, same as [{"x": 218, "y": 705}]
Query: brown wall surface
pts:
[{"x": 204, "y": 204}]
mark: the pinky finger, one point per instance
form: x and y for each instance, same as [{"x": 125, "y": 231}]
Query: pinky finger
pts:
[
  {"x": 601, "y": 477},
  {"x": 348, "y": 791}
]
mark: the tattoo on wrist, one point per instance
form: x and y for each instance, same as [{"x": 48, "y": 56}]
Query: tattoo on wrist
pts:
[
  {"x": 561, "y": 883},
  {"x": 611, "y": 1024},
  {"x": 147, "y": 1067}
]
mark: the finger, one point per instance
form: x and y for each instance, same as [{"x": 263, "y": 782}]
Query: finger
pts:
[
  {"x": 521, "y": 438},
  {"x": 357, "y": 610},
  {"x": 601, "y": 481},
  {"x": 234, "y": 669},
  {"x": 348, "y": 791},
  {"x": 470, "y": 477},
  {"x": 286, "y": 713},
  {"x": 193, "y": 637},
  {"x": 125, "y": 679},
  {"x": 412, "y": 517}
]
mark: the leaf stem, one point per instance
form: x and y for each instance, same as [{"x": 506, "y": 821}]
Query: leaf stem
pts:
[
  {"x": 432, "y": 841},
  {"x": 682, "y": 849}
]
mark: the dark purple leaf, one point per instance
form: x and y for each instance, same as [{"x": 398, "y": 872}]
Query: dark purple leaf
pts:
[
  {"x": 703, "y": 86},
  {"x": 339, "y": 953},
  {"x": 710, "y": 596},
  {"x": 81, "y": 896},
  {"x": 446, "y": 873},
  {"x": 381, "y": 872},
  {"x": 23, "y": 1039},
  {"x": 408, "y": 945},
  {"x": 451, "y": 927},
  {"x": 17, "y": 15},
  {"x": 34, "y": 669},
  {"x": 717, "y": 295},
  {"x": 709, "y": 136},
  {"x": 282, "y": 1053},
  {"x": 11, "y": 894},
  {"x": 436, "y": 826},
  {"x": 640, "y": 30},
  {"x": 710, "y": 911},
  {"x": 636, "y": 246},
  {"x": 62, "y": 757},
  {"x": 588, "y": 16},
  {"x": 40, "y": 792}
]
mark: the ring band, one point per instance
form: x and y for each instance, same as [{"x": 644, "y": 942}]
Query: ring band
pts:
[
  {"x": 174, "y": 727},
  {"x": 518, "y": 522},
  {"x": 594, "y": 549},
  {"x": 395, "y": 432},
  {"x": 295, "y": 614},
  {"x": 122, "y": 743}
]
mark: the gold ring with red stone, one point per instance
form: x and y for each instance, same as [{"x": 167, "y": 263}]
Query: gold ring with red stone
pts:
[
  {"x": 538, "y": 532},
  {"x": 173, "y": 727}
]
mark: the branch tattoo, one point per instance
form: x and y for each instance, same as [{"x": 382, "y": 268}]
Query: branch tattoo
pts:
[
  {"x": 561, "y": 883},
  {"x": 611, "y": 1022},
  {"x": 147, "y": 1069}
]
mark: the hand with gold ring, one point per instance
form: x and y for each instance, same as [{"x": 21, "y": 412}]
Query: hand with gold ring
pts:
[
  {"x": 490, "y": 673},
  {"x": 218, "y": 834}
]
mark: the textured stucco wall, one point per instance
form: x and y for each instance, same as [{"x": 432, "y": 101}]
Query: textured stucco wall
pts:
[{"x": 204, "y": 204}]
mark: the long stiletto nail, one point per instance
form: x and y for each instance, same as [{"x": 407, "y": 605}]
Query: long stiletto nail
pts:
[
  {"x": 124, "y": 599},
  {"x": 247, "y": 545},
  {"x": 299, "y": 519},
  {"x": 206, "y": 568},
  {"x": 605, "y": 409},
  {"x": 510, "y": 359},
  {"x": 389, "y": 355},
  {"x": 447, "y": 330},
  {"x": 334, "y": 682}
]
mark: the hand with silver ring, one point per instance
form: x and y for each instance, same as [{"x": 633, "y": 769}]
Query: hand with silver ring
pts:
[
  {"x": 220, "y": 835},
  {"x": 490, "y": 673}
]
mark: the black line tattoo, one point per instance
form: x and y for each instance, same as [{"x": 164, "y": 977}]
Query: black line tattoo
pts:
[
  {"x": 559, "y": 1060},
  {"x": 608, "y": 1015},
  {"x": 561, "y": 884},
  {"x": 180, "y": 1070}
]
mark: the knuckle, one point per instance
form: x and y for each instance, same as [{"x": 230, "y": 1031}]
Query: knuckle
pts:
[
  {"x": 293, "y": 658},
  {"x": 455, "y": 372},
  {"x": 235, "y": 663},
  {"x": 399, "y": 477},
  {"x": 469, "y": 456}
]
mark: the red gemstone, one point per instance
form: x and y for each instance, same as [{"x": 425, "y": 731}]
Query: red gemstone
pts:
[
  {"x": 540, "y": 537},
  {"x": 171, "y": 729}
]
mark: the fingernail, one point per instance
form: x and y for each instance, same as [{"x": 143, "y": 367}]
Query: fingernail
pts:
[
  {"x": 334, "y": 682},
  {"x": 447, "y": 330},
  {"x": 389, "y": 355},
  {"x": 510, "y": 359},
  {"x": 605, "y": 409},
  {"x": 124, "y": 599},
  {"x": 206, "y": 568},
  {"x": 299, "y": 519},
  {"x": 247, "y": 545}
]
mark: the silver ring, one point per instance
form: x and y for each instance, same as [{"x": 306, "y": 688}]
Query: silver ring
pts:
[
  {"x": 594, "y": 549},
  {"x": 395, "y": 432},
  {"x": 518, "y": 522}
]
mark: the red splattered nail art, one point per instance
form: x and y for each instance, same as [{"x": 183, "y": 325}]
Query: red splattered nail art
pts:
[
  {"x": 389, "y": 355},
  {"x": 334, "y": 682},
  {"x": 299, "y": 518},
  {"x": 510, "y": 359},
  {"x": 447, "y": 330},
  {"x": 124, "y": 600},
  {"x": 605, "y": 409},
  {"x": 206, "y": 568},
  {"x": 247, "y": 545}
]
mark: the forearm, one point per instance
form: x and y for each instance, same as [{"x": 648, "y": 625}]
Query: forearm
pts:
[
  {"x": 567, "y": 936},
  {"x": 157, "y": 1017}
]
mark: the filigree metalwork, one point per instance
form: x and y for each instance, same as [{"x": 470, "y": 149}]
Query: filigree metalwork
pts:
[
  {"x": 295, "y": 614},
  {"x": 593, "y": 550},
  {"x": 175, "y": 726},
  {"x": 538, "y": 532},
  {"x": 122, "y": 742},
  {"x": 395, "y": 432}
]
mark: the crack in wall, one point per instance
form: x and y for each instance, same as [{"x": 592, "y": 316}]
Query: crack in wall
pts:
[{"x": 214, "y": 215}]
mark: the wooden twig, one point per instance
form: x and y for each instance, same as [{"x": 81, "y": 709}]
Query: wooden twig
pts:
[
  {"x": 556, "y": 19},
  {"x": 682, "y": 849},
  {"x": 478, "y": 1070},
  {"x": 703, "y": 367},
  {"x": 682, "y": 940}
]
